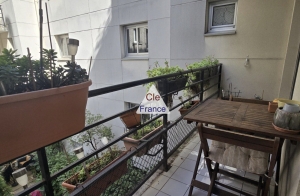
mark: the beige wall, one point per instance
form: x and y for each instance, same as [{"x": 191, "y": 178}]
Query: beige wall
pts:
[
  {"x": 292, "y": 53},
  {"x": 262, "y": 32},
  {"x": 296, "y": 95}
]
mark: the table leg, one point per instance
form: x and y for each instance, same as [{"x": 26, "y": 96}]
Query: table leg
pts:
[{"x": 195, "y": 170}]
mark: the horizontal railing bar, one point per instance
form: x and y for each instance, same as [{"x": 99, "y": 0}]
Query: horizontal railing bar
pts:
[
  {"x": 109, "y": 89},
  {"x": 194, "y": 83},
  {"x": 174, "y": 107}
]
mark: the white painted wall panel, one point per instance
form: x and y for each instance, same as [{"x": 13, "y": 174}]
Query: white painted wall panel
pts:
[
  {"x": 133, "y": 13},
  {"x": 106, "y": 42},
  {"x": 96, "y": 5},
  {"x": 187, "y": 30},
  {"x": 107, "y": 71},
  {"x": 79, "y": 23},
  {"x": 28, "y": 15},
  {"x": 57, "y": 10},
  {"x": 158, "y": 9},
  {"x": 159, "y": 38},
  {"x": 76, "y": 7},
  {"x": 104, "y": 18}
]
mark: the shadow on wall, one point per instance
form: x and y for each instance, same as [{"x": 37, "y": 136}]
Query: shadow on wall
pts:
[
  {"x": 101, "y": 72},
  {"x": 101, "y": 39}
]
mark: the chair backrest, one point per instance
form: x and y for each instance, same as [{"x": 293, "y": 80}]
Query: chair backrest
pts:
[
  {"x": 256, "y": 101},
  {"x": 239, "y": 139}
]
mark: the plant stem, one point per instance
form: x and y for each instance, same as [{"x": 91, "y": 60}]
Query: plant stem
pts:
[
  {"x": 2, "y": 88},
  {"x": 31, "y": 69},
  {"x": 90, "y": 67},
  {"x": 50, "y": 64}
]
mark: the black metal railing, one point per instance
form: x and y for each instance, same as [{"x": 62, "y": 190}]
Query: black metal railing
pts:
[{"x": 128, "y": 173}]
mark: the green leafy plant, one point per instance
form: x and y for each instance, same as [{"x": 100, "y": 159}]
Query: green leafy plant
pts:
[
  {"x": 126, "y": 183},
  {"x": 159, "y": 71},
  {"x": 4, "y": 188},
  {"x": 57, "y": 160},
  {"x": 97, "y": 165},
  {"x": 22, "y": 74},
  {"x": 195, "y": 76},
  {"x": 93, "y": 135},
  {"x": 146, "y": 129}
]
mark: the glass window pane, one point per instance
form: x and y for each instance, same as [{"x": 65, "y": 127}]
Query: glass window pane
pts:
[
  {"x": 223, "y": 15},
  {"x": 131, "y": 43},
  {"x": 143, "y": 39}
]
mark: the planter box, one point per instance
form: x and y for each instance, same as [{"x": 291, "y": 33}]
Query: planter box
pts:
[
  {"x": 99, "y": 186},
  {"x": 131, "y": 143},
  {"x": 32, "y": 120},
  {"x": 183, "y": 111},
  {"x": 173, "y": 85},
  {"x": 131, "y": 119}
]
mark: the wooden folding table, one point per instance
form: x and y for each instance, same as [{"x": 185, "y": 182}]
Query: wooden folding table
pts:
[{"x": 245, "y": 117}]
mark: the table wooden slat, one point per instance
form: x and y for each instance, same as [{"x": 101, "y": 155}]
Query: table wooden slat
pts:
[{"x": 248, "y": 117}]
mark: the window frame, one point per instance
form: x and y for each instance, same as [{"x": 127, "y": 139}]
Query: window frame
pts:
[
  {"x": 221, "y": 28},
  {"x": 58, "y": 39},
  {"x": 134, "y": 26}
]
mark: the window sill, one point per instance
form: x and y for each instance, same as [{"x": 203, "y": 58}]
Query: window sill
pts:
[
  {"x": 135, "y": 58},
  {"x": 64, "y": 59},
  {"x": 232, "y": 32}
]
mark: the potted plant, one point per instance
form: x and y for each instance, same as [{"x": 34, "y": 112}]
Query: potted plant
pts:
[
  {"x": 173, "y": 83},
  {"x": 187, "y": 106},
  {"x": 39, "y": 105},
  {"x": 209, "y": 62},
  {"x": 134, "y": 140},
  {"x": 131, "y": 119},
  {"x": 96, "y": 167}
]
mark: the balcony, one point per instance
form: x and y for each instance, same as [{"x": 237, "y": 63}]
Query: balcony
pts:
[{"x": 142, "y": 161}]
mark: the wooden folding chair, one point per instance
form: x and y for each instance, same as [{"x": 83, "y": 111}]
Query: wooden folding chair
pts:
[
  {"x": 232, "y": 148},
  {"x": 256, "y": 101}
]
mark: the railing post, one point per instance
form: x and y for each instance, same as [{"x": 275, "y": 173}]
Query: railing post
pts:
[
  {"x": 201, "y": 85},
  {"x": 165, "y": 123},
  {"x": 219, "y": 82},
  {"x": 45, "y": 171}
]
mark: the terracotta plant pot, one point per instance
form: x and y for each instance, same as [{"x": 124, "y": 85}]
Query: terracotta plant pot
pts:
[
  {"x": 131, "y": 143},
  {"x": 131, "y": 119},
  {"x": 183, "y": 110},
  {"x": 99, "y": 186},
  {"x": 32, "y": 120}
]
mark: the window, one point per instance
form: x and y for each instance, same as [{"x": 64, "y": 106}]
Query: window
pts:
[
  {"x": 222, "y": 16},
  {"x": 136, "y": 40},
  {"x": 63, "y": 41}
]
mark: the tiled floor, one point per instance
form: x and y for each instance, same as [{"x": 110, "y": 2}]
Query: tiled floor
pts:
[{"x": 176, "y": 181}]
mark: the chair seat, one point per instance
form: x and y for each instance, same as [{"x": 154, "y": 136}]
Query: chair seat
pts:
[{"x": 245, "y": 159}]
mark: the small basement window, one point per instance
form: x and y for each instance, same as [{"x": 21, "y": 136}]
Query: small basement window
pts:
[
  {"x": 62, "y": 41},
  {"x": 222, "y": 16}
]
